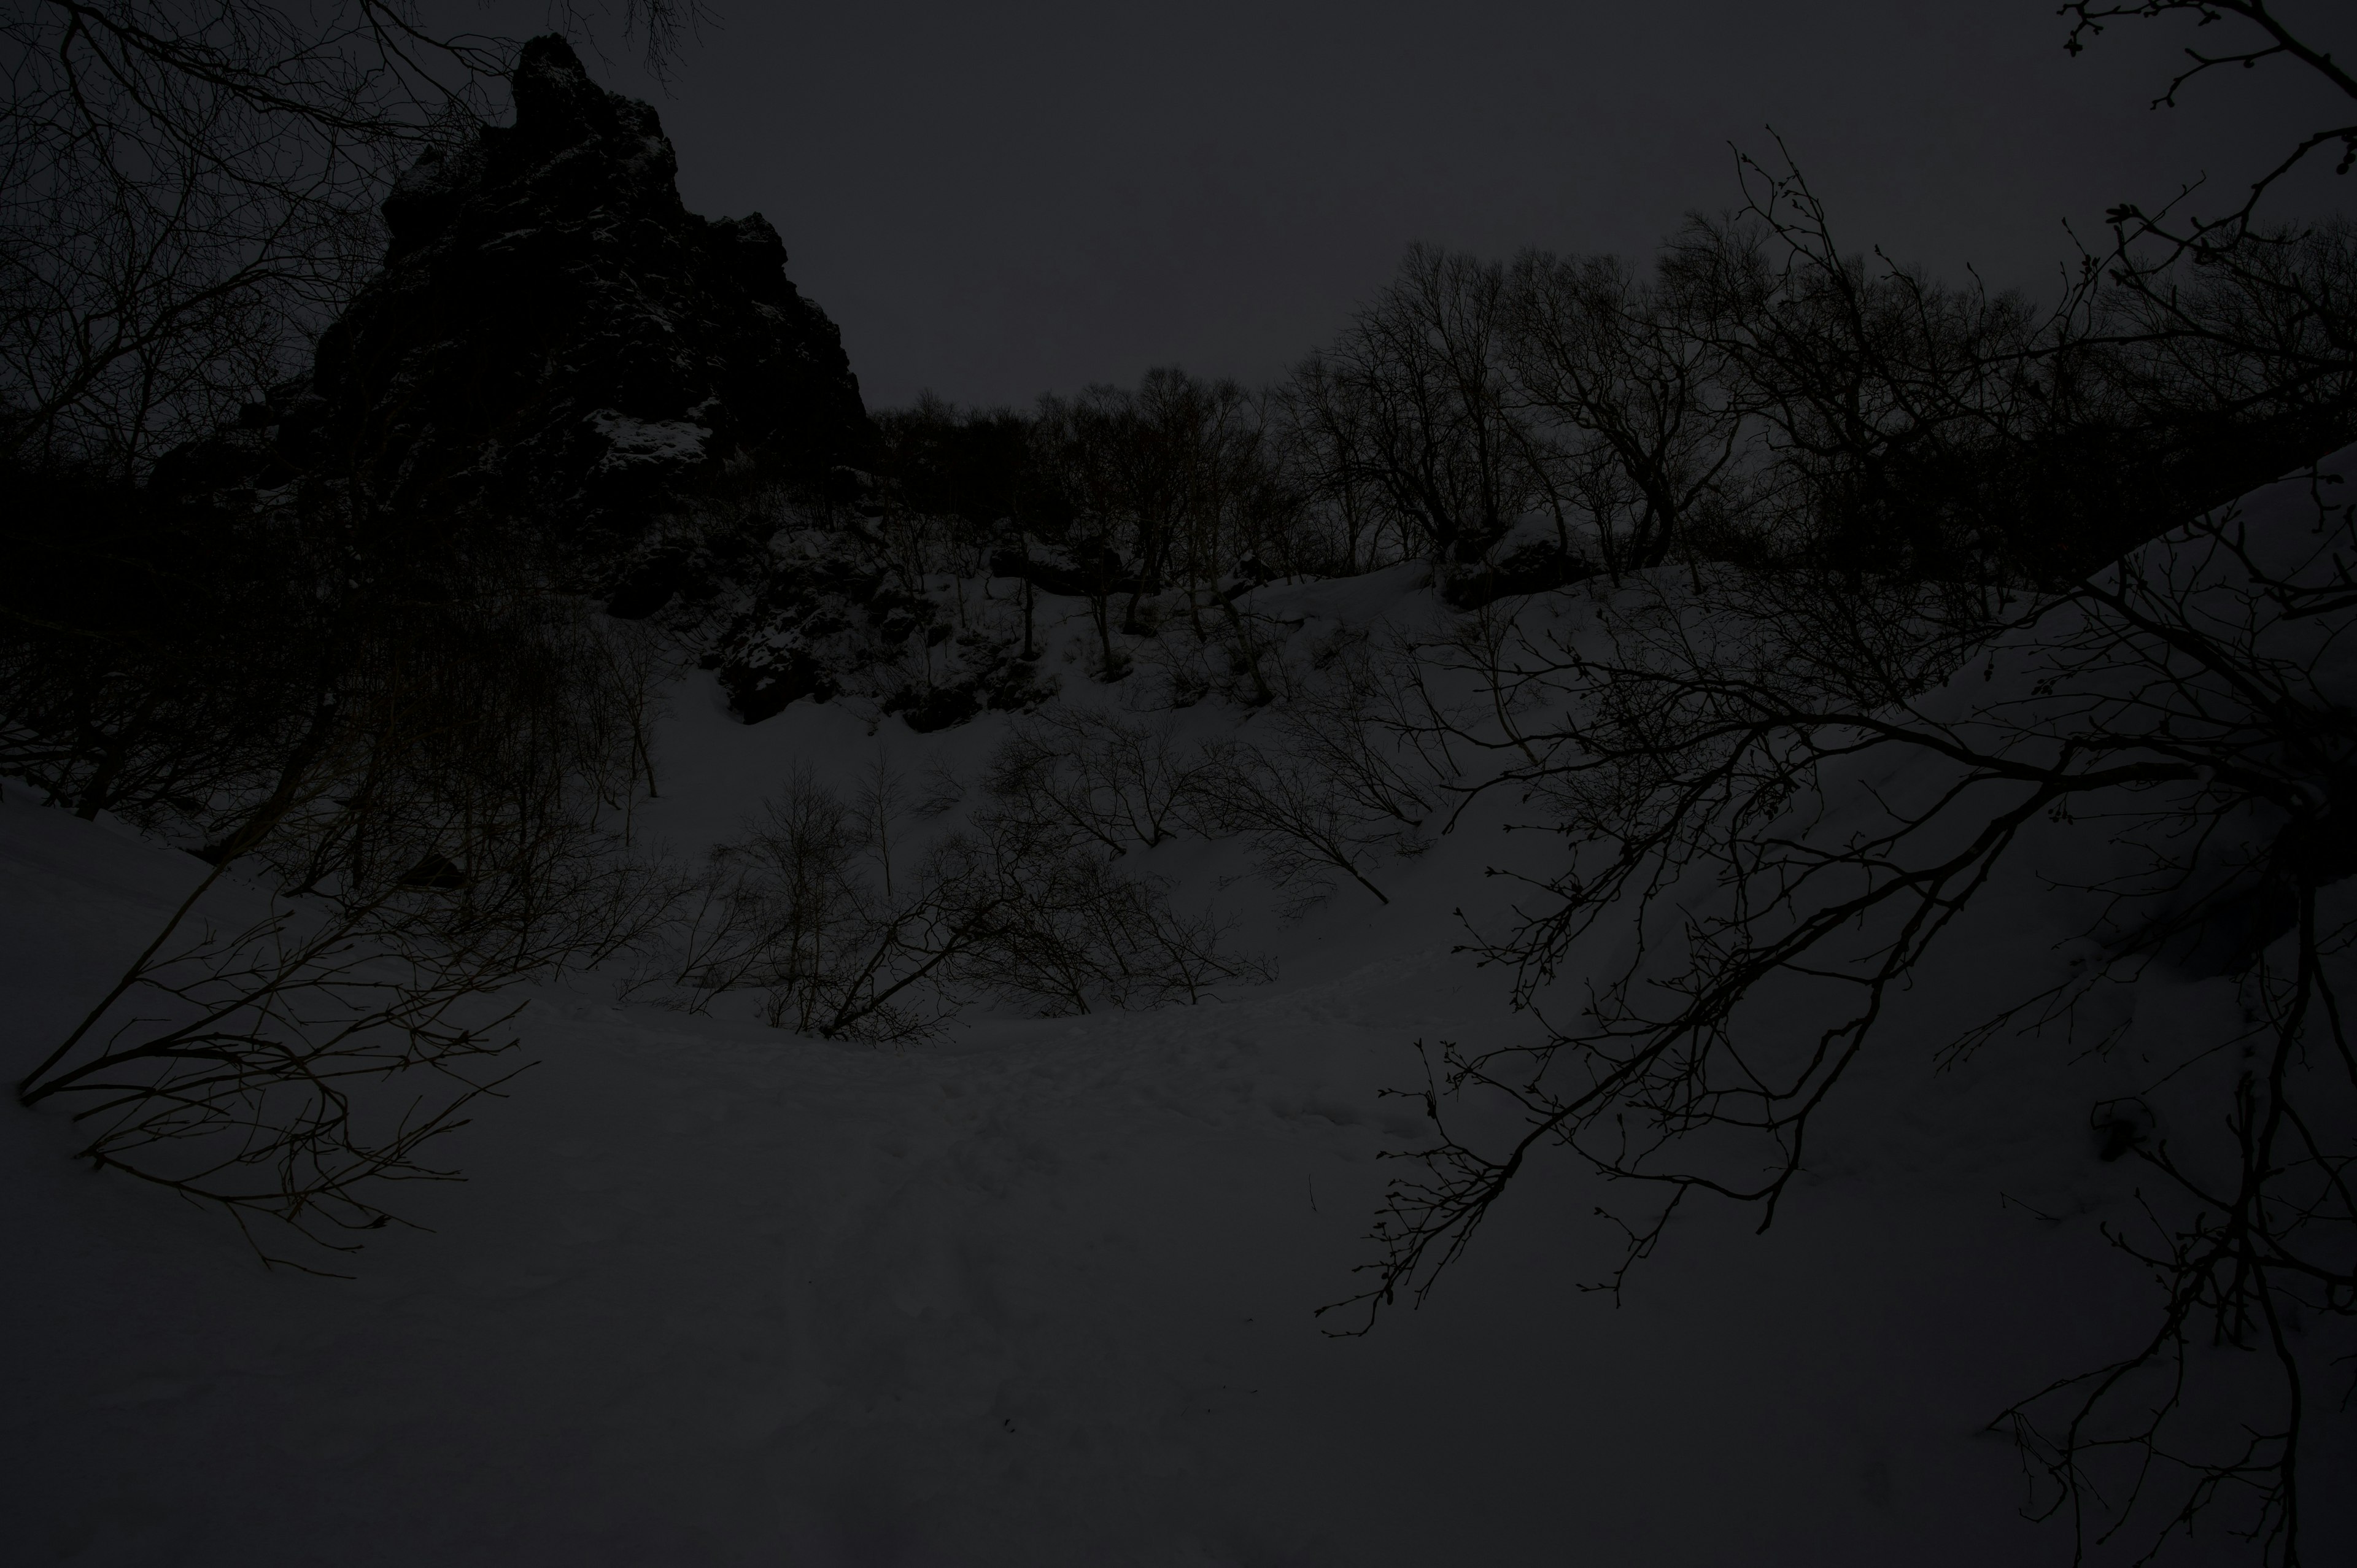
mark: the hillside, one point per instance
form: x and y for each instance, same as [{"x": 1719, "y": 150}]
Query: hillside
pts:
[{"x": 1040, "y": 1290}]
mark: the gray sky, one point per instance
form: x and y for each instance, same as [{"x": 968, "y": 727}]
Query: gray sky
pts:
[{"x": 997, "y": 201}]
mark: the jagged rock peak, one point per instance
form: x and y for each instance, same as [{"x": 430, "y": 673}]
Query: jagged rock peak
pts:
[
  {"x": 574, "y": 148},
  {"x": 554, "y": 337}
]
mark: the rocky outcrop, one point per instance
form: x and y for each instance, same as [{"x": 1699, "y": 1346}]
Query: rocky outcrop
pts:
[
  {"x": 556, "y": 340},
  {"x": 1510, "y": 567},
  {"x": 556, "y": 353}
]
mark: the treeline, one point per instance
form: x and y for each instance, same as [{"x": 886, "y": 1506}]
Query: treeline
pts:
[{"x": 1755, "y": 395}]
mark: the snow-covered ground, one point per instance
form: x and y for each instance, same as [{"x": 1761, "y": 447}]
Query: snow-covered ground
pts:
[{"x": 1041, "y": 1291}]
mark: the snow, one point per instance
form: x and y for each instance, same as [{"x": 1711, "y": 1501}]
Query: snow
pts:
[
  {"x": 1042, "y": 1291},
  {"x": 632, "y": 441}
]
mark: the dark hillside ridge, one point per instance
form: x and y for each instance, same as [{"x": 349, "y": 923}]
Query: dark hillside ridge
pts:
[{"x": 555, "y": 339}]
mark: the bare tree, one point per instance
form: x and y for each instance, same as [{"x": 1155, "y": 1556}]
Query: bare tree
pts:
[
  {"x": 2253, "y": 34},
  {"x": 1321, "y": 430},
  {"x": 1409, "y": 404},
  {"x": 1652, "y": 415},
  {"x": 1089, "y": 443},
  {"x": 1707, "y": 766},
  {"x": 2227, "y": 314}
]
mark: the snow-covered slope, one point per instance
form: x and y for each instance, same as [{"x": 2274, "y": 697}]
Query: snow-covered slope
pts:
[{"x": 1041, "y": 1291}]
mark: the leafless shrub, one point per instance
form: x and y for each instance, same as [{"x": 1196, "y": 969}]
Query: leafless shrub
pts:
[
  {"x": 1356, "y": 722},
  {"x": 1068, "y": 929},
  {"x": 1235, "y": 655},
  {"x": 1118, "y": 779},
  {"x": 1326, "y": 792},
  {"x": 1282, "y": 805},
  {"x": 1024, "y": 907},
  {"x": 809, "y": 901},
  {"x": 1328, "y": 781},
  {"x": 225, "y": 1063}
]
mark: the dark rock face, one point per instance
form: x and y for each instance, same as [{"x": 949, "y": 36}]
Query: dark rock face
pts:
[
  {"x": 555, "y": 339},
  {"x": 1531, "y": 567},
  {"x": 558, "y": 355}
]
